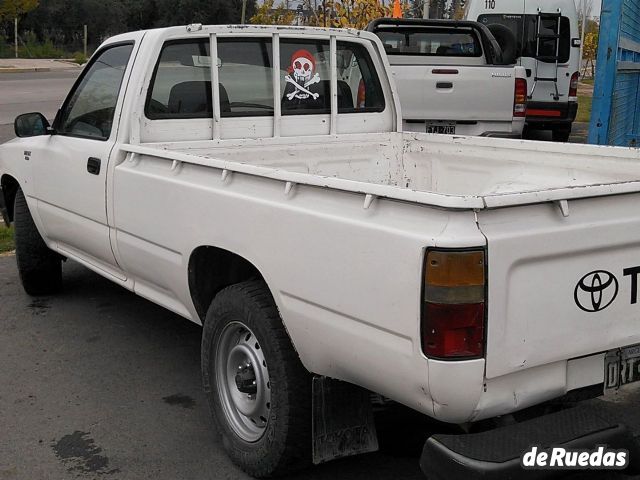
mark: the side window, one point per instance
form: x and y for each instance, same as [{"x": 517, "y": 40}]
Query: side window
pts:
[
  {"x": 181, "y": 87},
  {"x": 306, "y": 84},
  {"x": 90, "y": 108}
]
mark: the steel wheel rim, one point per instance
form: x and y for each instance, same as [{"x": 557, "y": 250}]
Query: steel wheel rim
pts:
[{"x": 242, "y": 380}]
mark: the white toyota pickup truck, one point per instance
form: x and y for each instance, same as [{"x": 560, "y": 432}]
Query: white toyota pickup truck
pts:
[
  {"x": 233, "y": 176},
  {"x": 453, "y": 77}
]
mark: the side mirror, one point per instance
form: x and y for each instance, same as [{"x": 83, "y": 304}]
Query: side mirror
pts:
[{"x": 31, "y": 125}]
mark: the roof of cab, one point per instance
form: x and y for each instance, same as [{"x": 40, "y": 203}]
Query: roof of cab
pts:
[{"x": 196, "y": 28}]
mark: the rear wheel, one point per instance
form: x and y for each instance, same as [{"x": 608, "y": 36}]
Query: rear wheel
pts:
[
  {"x": 258, "y": 391},
  {"x": 561, "y": 134},
  {"x": 39, "y": 267}
]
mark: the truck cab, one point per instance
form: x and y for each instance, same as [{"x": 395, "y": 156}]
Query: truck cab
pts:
[{"x": 546, "y": 38}]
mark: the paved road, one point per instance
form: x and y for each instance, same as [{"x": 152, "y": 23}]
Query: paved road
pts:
[
  {"x": 33, "y": 92},
  {"x": 99, "y": 383}
]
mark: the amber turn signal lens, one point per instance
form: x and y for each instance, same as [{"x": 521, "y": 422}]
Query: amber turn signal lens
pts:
[{"x": 454, "y": 269}]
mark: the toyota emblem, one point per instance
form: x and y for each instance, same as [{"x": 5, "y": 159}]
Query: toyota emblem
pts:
[{"x": 596, "y": 291}]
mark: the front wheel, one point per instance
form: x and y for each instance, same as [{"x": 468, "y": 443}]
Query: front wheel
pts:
[
  {"x": 258, "y": 391},
  {"x": 40, "y": 268}
]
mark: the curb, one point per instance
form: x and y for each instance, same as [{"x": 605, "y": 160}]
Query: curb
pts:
[{"x": 22, "y": 70}]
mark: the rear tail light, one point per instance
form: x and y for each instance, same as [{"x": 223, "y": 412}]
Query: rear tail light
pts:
[
  {"x": 520, "y": 98},
  {"x": 361, "y": 101},
  {"x": 453, "y": 312},
  {"x": 573, "y": 86}
]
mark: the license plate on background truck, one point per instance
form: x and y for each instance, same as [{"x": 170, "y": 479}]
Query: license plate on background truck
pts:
[
  {"x": 443, "y": 128},
  {"x": 621, "y": 367}
]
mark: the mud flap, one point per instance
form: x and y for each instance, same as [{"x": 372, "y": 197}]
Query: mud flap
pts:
[{"x": 342, "y": 420}]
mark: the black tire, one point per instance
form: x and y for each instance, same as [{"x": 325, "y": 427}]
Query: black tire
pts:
[
  {"x": 507, "y": 41},
  {"x": 285, "y": 446},
  {"x": 561, "y": 134},
  {"x": 40, "y": 268}
]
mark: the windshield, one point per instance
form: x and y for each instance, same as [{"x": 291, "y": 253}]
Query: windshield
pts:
[{"x": 525, "y": 28}]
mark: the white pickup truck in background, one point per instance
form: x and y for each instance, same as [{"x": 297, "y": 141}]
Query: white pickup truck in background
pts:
[
  {"x": 452, "y": 78},
  {"x": 232, "y": 175}
]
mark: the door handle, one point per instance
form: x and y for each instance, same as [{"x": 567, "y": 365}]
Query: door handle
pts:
[
  {"x": 445, "y": 85},
  {"x": 93, "y": 165}
]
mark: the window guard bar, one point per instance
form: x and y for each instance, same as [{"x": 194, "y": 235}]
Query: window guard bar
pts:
[
  {"x": 277, "y": 107},
  {"x": 215, "y": 87},
  {"x": 333, "y": 65}
]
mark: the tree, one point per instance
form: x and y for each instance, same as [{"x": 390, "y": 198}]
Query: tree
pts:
[
  {"x": 266, "y": 14},
  {"x": 590, "y": 51},
  {"x": 13, "y": 9},
  {"x": 353, "y": 13},
  {"x": 10, "y": 9},
  {"x": 330, "y": 13}
]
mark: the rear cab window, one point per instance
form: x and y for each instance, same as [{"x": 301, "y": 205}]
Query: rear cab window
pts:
[
  {"x": 430, "y": 41},
  {"x": 181, "y": 84}
]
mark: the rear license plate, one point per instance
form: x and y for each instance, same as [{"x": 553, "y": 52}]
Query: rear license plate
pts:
[
  {"x": 621, "y": 367},
  {"x": 444, "y": 128}
]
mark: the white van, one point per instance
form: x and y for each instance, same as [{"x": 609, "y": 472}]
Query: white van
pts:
[{"x": 546, "y": 37}]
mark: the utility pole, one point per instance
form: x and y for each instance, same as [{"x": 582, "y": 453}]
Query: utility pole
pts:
[
  {"x": 425, "y": 8},
  {"x": 244, "y": 11},
  {"x": 85, "y": 41},
  {"x": 15, "y": 28}
]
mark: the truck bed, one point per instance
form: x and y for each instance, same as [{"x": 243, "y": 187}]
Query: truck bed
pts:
[{"x": 439, "y": 170}]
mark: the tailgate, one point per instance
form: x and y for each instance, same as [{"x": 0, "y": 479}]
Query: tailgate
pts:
[
  {"x": 561, "y": 287},
  {"x": 452, "y": 92}
]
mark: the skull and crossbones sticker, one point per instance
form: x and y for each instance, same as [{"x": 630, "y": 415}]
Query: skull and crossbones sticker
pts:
[{"x": 302, "y": 75}]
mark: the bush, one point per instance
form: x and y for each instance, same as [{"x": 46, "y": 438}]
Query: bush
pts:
[
  {"x": 31, "y": 48},
  {"x": 5, "y": 48},
  {"x": 79, "y": 58}
]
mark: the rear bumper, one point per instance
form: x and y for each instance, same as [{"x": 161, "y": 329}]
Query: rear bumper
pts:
[
  {"x": 498, "y": 453},
  {"x": 550, "y": 115},
  {"x": 489, "y": 128},
  {"x": 3, "y": 208}
]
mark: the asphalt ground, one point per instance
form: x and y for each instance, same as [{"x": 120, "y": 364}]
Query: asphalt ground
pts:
[{"x": 97, "y": 382}]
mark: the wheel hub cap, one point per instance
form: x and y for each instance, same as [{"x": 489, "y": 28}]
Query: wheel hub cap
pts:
[{"x": 242, "y": 380}]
